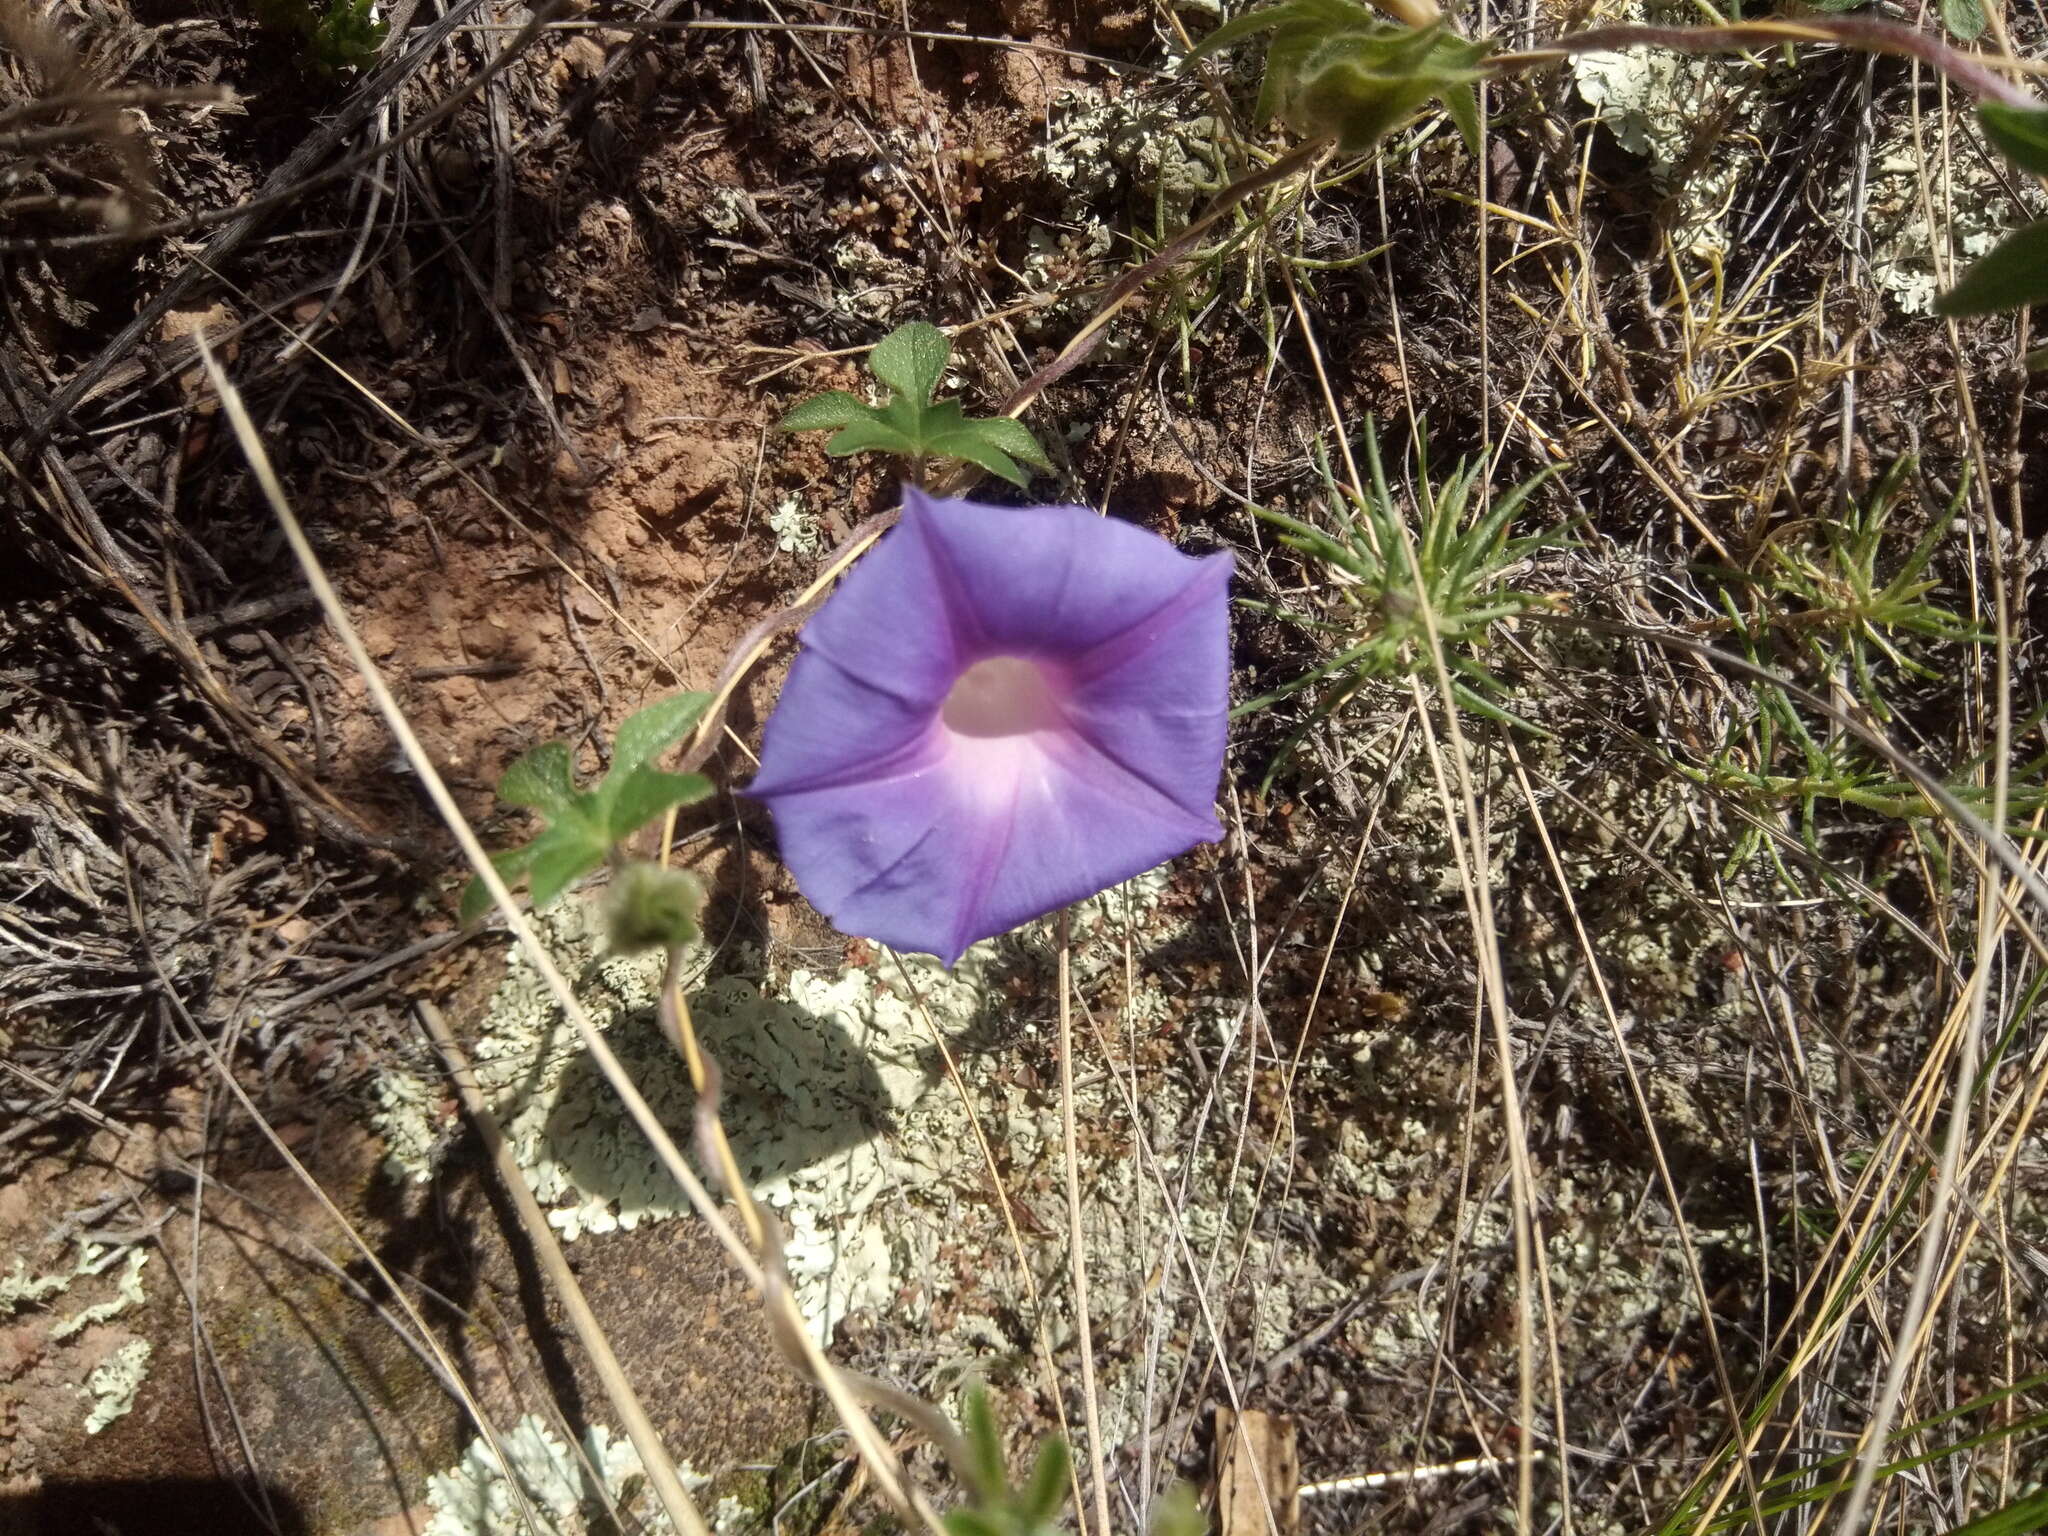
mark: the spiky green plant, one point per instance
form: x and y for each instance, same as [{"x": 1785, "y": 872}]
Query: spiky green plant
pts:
[
  {"x": 1821, "y": 587},
  {"x": 1383, "y": 591},
  {"x": 1826, "y": 596}
]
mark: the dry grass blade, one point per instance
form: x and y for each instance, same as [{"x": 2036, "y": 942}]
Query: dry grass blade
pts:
[
  {"x": 881, "y": 1460},
  {"x": 674, "y": 1498},
  {"x": 1469, "y": 845},
  {"x": 1077, "y": 1243}
]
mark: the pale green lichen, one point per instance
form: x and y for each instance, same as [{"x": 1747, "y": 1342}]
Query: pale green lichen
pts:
[
  {"x": 796, "y": 530},
  {"x": 1971, "y": 199},
  {"x": 114, "y": 1382},
  {"x": 836, "y": 1099},
  {"x": 127, "y": 1289},
  {"x": 19, "y": 1288},
  {"x": 407, "y": 1115},
  {"x": 816, "y": 1072},
  {"x": 1102, "y": 152},
  {"x": 1693, "y": 117},
  {"x": 22, "y": 1288},
  {"x": 567, "y": 1494}
]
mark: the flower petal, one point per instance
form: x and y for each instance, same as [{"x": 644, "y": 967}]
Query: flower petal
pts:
[
  {"x": 1156, "y": 698},
  {"x": 973, "y": 844},
  {"x": 1049, "y": 581},
  {"x": 927, "y": 825},
  {"x": 876, "y": 664}
]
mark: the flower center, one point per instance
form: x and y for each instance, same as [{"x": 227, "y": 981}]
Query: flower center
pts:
[{"x": 1001, "y": 696}]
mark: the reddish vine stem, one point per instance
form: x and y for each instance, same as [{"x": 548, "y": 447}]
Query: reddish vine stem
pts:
[{"x": 1971, "y": 71}]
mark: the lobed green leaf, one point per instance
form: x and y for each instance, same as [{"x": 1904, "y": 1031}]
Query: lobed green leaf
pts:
[
  {"x": 646, "y": 733},
  {"x": 872, "y": 433},
  {"x": 911, "y": 360},
  {"x": 628, "y": 802},
  {"x": 541, "y": 781},
  {"x": 834, "y": 408}
]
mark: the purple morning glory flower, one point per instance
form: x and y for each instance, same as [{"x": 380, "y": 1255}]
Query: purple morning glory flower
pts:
[{"x": 999, "y": 711}]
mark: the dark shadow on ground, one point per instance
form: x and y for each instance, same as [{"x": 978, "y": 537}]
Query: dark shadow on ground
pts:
[
  {"x": 165, "y": 1507},
  {"x": 798, "y": 1091}
]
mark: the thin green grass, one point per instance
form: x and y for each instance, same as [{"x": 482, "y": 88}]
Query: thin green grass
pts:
[{"x": 1373, "y": 602}]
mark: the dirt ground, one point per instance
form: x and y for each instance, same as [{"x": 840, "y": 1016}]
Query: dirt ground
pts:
[{"x": 518, "y": 363}]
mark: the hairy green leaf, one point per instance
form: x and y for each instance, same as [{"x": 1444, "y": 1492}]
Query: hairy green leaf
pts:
[
  {"x": 540, "y": 781},
  {"x": 871, "y": 432},
  {"x": 562, "y": 856},
  {"x": 1337, "y": 69},
  {"x": 975, "y": 450},
  {"x": 2012, "y": 276},
  {"x": 2018, "y": 133},
  {"x": 1015, "y": 439},
  {"x": 911, "y": 360},
  {"x": 510, "y": 865},
  {"x": 1963, "y": 18},
  {"x": 834, "y": 408},
  {"x": 632, "y": 800},
  {"x": 583, "y": 826},
  {"x": 646, "y": 733}
]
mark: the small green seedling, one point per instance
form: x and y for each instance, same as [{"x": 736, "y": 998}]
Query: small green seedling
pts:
[
  {"x": 1827, "y": 595},
  {"x": 2014, "y": 273},
  {"x": 338, "y": 37},
  {"x": 911, "y": 361},
  {"x": 994, "y": 1507},
  {"x": 1335, "y": 69},
  {"x": 585, "y": 825}
]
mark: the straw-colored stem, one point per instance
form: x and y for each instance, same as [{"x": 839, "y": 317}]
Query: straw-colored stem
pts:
[
  {"x": 661, "y": 1471},
  {"x": 1077, "y": 1241}
]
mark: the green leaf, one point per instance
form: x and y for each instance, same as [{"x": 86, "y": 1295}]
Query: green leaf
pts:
[
  {"x": 1237, "y": 29},
  {"x": 911, "y": 359},
  {"x": 1462, "y": 104},
  {"x": 834, "y": 408},
  {"x": 1015, "y": 439},
  {"x": 946, "y": 430},
  {"x": 1039, "y": 1500},
  {"x": 1963, "y": 18},
  {"x": 2012, "y": 276},
  {"x": 2018, "y": 133},
  {"x": 632, "y": 800},
  {"x": 2020, "y": 1518},
  {"x": 987, "y": 455},
  {"x": 561, "y": 856},
  {"x": 646, "y": 733},
  {"x": 985, "y": 1474},
  {"x": 871, "y": 432},
  {"x": 541, "y": 781},
  {"x": 510, "y": 865}
]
